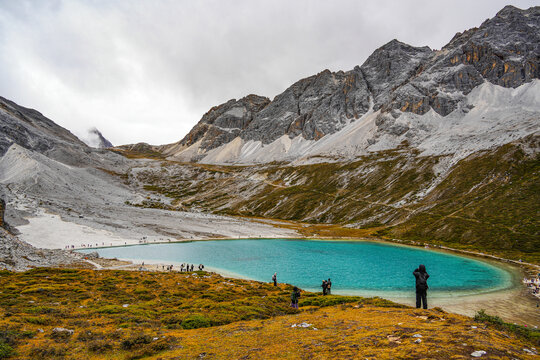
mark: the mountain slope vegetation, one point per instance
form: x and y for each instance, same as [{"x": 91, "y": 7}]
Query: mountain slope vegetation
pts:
[{"x": 488, "y": 201}]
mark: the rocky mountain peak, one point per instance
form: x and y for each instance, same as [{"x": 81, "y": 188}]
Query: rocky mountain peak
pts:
[
  {"x": 397, "y": 78},
  {"x": 224, "y": 122},
  {"x": 510, "y": 10},
  {"x": 390, "y": 66},
  {"x": 31, "y": 130}
]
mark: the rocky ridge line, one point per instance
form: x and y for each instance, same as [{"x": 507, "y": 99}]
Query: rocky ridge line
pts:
[{"x": 396, "y": 78}]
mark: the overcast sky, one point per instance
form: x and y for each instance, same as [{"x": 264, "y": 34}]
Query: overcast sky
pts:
[{"x": 148, "y": 70}]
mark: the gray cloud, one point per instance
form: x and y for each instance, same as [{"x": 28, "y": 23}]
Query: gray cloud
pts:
[{"x": 148, "y": 70}]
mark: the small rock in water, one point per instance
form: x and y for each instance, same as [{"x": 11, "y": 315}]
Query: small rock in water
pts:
[
  {"x": 417, "y": 336},
  {"x": 478, "y": 353}
]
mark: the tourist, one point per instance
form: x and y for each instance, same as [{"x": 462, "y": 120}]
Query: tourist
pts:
[
  {"x": 421, "y": 286},
  {"x": 328, "y": 286},
  {"x": 324, "y": 284},
  {"x": 295, "y": 295},
  {"x": 274, "y": 278}
]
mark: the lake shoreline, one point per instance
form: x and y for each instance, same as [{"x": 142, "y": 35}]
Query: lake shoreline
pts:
[{"x": 513, "y": 303}]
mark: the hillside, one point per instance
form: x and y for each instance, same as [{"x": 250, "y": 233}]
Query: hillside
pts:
[
  {"x": 73, "y": 314},
  {"x": 487, "y": 201}
]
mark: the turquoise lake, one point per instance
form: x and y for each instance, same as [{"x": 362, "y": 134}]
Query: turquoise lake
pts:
[{"x": 355, "y": 267}]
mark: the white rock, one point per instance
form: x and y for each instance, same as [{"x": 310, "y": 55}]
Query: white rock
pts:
[{"x": 478, "y": 353}]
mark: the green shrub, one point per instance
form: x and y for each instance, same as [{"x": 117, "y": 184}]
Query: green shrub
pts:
[
  {"x": 135, "y": 341},
  {"x": 519, "y": 330},
  {"x": 48, "y": 352},
  {"x": 196, "y": 321},
  {"x": 110, "y": 309},
  {"x": 37, "y": 320},
  {"x": 6, "y": 350},
  {"x": 99, "y": 346}
]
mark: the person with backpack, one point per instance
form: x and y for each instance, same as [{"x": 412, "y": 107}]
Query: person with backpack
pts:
[
  {"x": 421, "y": 286},
  {"x": 295, "y": 295},
  {"x": 274, "y": 278},
  {"x": 324, "y": 287}
]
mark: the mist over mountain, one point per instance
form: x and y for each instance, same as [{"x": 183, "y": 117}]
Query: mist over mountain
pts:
[{"x": 96, "y": 139}]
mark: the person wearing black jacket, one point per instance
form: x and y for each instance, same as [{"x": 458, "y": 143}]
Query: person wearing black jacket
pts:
[{"x": 421, "y": 286}]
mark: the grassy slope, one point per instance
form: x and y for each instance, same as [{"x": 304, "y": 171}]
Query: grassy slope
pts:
[
  {"x": 488, "y": 202},
  {"x": 187, "y": 315}
]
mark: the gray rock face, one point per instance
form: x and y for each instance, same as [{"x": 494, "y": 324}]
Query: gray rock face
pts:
[
  {"x": 313, "y": 107},
  {"x": 2, "y": 211},
  {"x": 390, "y": 67},
  {"x": 16, "y": 255},
  {"x": 224, "y": 122},
  {"x": 31, "y": 130},
  {"x": 504, "y": 50}
]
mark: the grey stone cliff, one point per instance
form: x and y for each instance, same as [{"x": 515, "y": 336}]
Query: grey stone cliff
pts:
[{"x": 397, "y": 77}]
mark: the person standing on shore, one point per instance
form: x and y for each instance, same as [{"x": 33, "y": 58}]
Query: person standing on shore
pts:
[
  {"x": 421, "y": 286},
  {"x": 328, "y": 286},
  {"x": 324, "y": 287},
  {"x": 295, "y": 295},
  {"x": 274, "y": 278}
]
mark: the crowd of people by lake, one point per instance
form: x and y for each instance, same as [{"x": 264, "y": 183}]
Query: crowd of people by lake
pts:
[
  {"x": 184, "y": 267},
  {"x": 533, "y": 284}
]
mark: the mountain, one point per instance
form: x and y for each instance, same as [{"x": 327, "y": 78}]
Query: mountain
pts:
[
  {"x": 427, "y": 146},
  {"x": 437, "y": 146},
  {"x": 30, "y": 130},
  {"x": 381, "y": 98},
  {"x": 97, "y": 140},
  {"x": 56, "y": 191}
]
